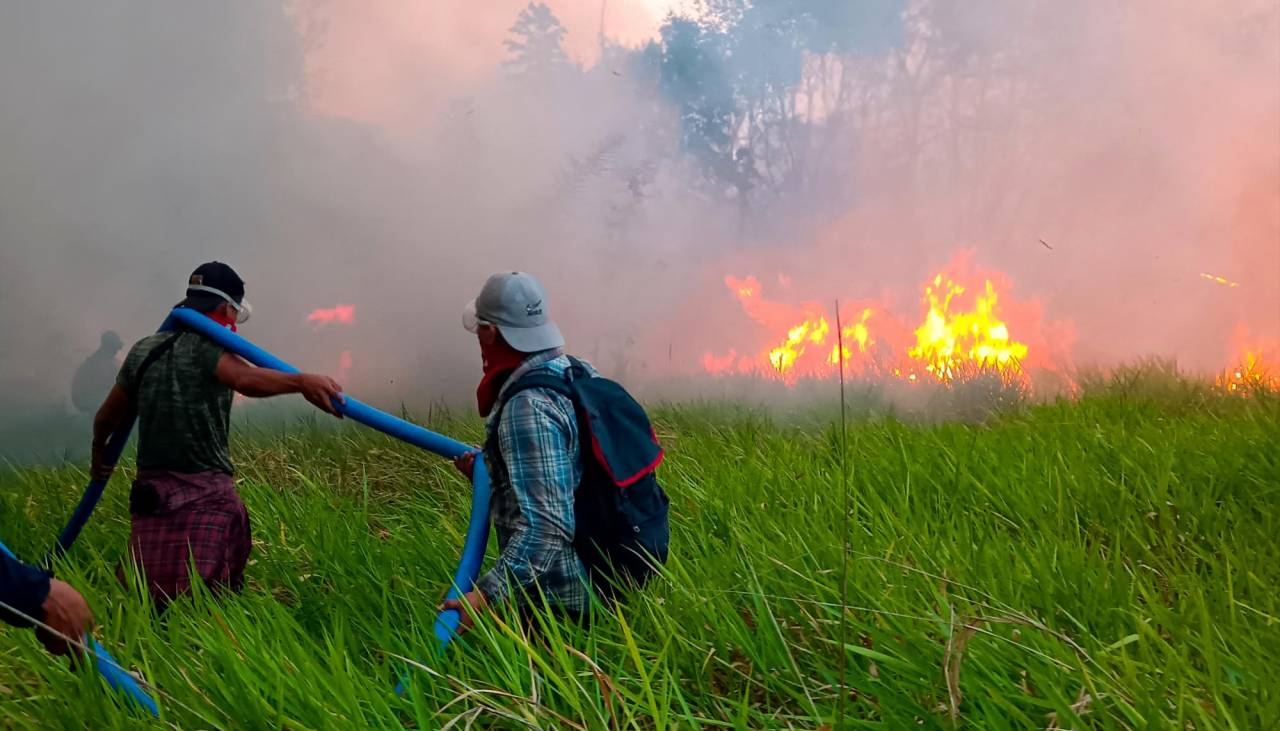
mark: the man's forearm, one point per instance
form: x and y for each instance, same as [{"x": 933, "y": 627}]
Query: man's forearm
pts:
[
  {"x": 114, "y": 410},
  {"x": 234, "y": 373},
  {"x": 101, "y": 432},
  {"x": 265, "y": 382}
]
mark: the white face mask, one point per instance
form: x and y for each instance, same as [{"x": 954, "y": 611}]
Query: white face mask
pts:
[{"x": 243, "y": 308}]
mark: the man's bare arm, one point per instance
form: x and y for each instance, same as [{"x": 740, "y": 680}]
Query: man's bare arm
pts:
[
  {"x": 115, "y": 410},
  {"x": 234, "y": 373}
]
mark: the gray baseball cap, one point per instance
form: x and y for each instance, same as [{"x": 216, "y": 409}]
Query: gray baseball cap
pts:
[{"x": 516, "y": 304}]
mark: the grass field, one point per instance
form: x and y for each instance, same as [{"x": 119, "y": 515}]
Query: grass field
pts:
[{"x": 1108, "y": 562}]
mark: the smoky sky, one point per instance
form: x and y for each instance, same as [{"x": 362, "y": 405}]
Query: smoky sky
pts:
[{"x": 138, "y": 139}]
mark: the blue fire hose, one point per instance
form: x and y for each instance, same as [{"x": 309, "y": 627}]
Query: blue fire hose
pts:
[
  {"x": 110, "y": 670},
  {"x": 473, "y": 548}
]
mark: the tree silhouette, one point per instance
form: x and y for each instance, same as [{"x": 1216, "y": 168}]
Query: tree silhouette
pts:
[
  {"x": 744, "y": 75},
  {"x": 536, "y": 43}
]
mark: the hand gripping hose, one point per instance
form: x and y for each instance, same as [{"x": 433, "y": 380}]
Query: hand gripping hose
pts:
[
  {"x": 464, "y": 577},
  {"x": 110, "y": 670}
]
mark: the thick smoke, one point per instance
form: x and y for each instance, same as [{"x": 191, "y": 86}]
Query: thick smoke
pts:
[
  {"x": 388, "y": 159},
  {"x": 1103, "y": 155},
  {"x": 140, "y": 139}
]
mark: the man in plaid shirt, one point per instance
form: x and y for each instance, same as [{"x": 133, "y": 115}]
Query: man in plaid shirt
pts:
[{"x": 535, "y": 464}]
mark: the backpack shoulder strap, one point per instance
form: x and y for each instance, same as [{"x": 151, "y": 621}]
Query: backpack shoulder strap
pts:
[
  {"x": 155, "y": 355},
  {"x": 536, "y": 380},
  {"x": 577, "y": 369},
  {"x": 532, "y": 380}
]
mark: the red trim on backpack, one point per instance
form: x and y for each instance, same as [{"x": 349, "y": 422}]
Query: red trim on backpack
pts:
[
  {"x": 623, "y": 484},
  {"x": 645, "y": 472}
]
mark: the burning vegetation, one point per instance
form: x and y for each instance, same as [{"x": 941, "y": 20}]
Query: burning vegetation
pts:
[
  {"x": 1252, "y": 374},
  {"x": 962, "y": 329},
  {"x": 954, "y": 337},
  {"x": 1253, "y": 369},
  {"x": 968, "y": 325},
  {"x": 338, "y": 314}
]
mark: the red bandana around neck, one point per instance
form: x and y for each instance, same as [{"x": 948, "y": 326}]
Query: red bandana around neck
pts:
[
  {"x": 500, "y": 361},
  {"x": 222, "y": 320}
]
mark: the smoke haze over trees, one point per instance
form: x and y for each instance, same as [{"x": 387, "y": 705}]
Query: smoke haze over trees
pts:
[{"x": 394, "y": 159}]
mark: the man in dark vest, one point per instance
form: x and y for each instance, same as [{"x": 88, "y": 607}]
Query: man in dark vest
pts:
[
  {"x": 184, "y": 505},
  {"x": 96, "y": 375}
]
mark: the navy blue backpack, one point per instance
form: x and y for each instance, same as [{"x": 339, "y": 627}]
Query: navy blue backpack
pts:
[{"x": 620, "y": 511}]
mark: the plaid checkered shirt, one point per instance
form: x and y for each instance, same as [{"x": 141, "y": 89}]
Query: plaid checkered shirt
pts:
[{"x": 534, "y": 474}]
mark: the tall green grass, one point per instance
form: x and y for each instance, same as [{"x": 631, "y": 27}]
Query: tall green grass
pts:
[{"x": 1110, "y": 562}]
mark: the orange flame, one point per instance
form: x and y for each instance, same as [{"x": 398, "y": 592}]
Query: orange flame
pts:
[
  {"x": 344, "y": 314},
  {"x": 1252, "y": 374},
  {"x": 951, "y": 338},
  {"x": 807, "y": 346},
  {"x": 956, "y": 333},
  {"x": 783, "y": 358},
  {"x": 1254, "y": 367},
  {"x": 857, "y": 333}
]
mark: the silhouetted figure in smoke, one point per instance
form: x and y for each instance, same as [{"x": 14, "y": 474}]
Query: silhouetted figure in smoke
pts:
[{"x": 95, "y": 377}]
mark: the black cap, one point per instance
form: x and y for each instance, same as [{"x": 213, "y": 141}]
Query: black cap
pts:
[{"x": 217, "y": 276}]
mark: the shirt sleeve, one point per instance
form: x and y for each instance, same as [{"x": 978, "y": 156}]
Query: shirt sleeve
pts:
[
  {"x": 534, "y": 437},
  {"x": 22, "y": 587}
]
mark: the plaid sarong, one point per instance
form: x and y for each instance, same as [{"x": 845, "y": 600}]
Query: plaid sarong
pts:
[{"x": 180, "y": 519}]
